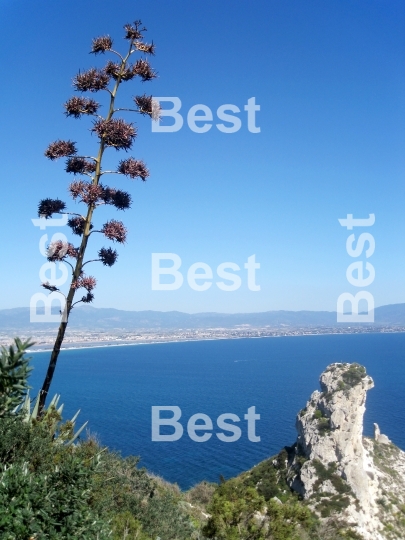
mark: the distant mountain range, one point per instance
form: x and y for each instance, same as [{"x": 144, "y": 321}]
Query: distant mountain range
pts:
[{"x": 109, "y": 319}]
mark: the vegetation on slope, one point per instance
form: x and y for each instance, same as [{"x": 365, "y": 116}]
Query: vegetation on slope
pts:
[
  {"x": 53, "y": 486},
  {"x": 53, "y": 489}
]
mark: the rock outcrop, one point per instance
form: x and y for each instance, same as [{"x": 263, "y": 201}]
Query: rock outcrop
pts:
[
  {"x": 379, "y": 437},
  {"x": 341, "y": 474}
]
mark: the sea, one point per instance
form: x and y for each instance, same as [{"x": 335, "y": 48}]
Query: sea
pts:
[{"x": 115, "y": 388}]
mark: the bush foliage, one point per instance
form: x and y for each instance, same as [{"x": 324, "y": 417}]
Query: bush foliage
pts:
[
  {"x": 14, "y": 371},
  {"x": 354, "y": 374},
  {"x": 82, "y": 491}
]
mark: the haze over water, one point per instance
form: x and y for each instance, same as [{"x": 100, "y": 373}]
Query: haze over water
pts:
[{"x": 115, "y": 388}]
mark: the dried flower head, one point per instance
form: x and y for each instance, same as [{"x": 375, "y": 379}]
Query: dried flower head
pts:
[
  {"x": 144, "y": 70},
  {"x": 85, "y": 282},
  {"x": 47, "y": 207},
  {"x": 148, "y": 48},
  {"x": 133, "y": 31},
  {"x": 49, "y": 287},
  {"x": 115, "y": 230},
  {"x": 77, "y": 188},
  {"x": 88, "y": 298},
  {"x": 77, "y": 225},
  {"x": 116, "y": 133},
  {"x": 76, "y": 106},
  {"x": 115, "y": 70},
  {"x": 92, "y": 194},
  {"x": 101, "y": 44},
  {"x": 60, "y": 149},
  {"x": 92, "y": 80},
  {"x": 120, "y": 199},
  {"x": 87, "y": 192},
  {"x": 108, "y": 256},
  {"x": 58, "y": 250},
  {"x": 148, "y": 106},
  {"x": 108, "y": 194},
  {"x": 133, "y": 168},
  {"x": 79, "y": 165}
]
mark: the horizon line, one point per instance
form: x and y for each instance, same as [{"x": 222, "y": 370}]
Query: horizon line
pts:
[{"x": 211, "y": 312}]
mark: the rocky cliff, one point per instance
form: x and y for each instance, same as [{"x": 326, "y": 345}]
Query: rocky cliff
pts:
[{"x": 341, "y": 474}]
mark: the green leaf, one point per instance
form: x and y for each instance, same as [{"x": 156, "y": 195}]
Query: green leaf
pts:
[{"x": 76, "y": 434}]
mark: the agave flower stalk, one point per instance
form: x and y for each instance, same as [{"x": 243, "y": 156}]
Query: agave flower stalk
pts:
[{"x": 112, "y": 132}]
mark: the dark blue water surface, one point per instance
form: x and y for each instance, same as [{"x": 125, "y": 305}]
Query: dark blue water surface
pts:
[{"x": 115, "y": 388}]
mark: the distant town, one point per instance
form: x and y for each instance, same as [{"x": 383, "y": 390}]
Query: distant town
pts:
[{"x": 85, "y": 337}]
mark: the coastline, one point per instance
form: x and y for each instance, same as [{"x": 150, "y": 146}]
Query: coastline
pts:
[{"x": 80, "y": 345}]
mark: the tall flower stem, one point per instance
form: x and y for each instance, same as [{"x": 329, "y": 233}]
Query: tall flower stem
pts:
[{"x": 85, "y": 238}]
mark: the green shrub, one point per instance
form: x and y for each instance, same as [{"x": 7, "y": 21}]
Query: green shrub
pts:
[
  {"x": 354, "y": 375},
  {"x": 329, "y": 473},
  {"x": 234, "y": 511},
  {"x": 269, "y": 477},
  {"x": 324, "y": 426},
  {"x": 322, "y": 473},
  {"x": 341, "y": 385},
  {"x": 19, "y": 443},
  {"x": 336, "y": 529},
  {"x": 301, "y": 460},
  {"x": 201, "y": 494},
  {"x": 121, "y": 488},
  {"x": 339, "y": 484},
  {"x": 323, "y": 423},
  {"x": 288, "y": 521},
  {"x": 14, "y": 372},
  {"x": 80, "y": 491},
  {"x": 126, "y": 526},
  {"x": 45, "y": 489},
  {"x": 328, "y": 396},
  {"x": 332, "y": 505}
]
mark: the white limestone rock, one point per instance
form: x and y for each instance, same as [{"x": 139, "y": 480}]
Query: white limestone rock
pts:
[
  {"x": 379, "y": 437},
  {"x": 340, "y": 473}
]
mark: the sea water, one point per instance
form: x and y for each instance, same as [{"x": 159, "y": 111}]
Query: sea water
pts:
[{"x": 116, "y": 387}]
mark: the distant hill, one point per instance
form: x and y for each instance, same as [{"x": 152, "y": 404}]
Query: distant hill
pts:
[{"x": 109, "y": 318}]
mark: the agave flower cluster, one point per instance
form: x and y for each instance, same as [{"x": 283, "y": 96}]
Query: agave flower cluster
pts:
[
  {"x": 148, "y": 106},
  {"x": 115, "y": 230},
  {"x": 76, "y": 106},
  {"x": 77, "y": 224},
  {"x": 91, "y": 80},
  {"x": 108, "y": 256},
  {"x": 47, "y": 207},
  {"x": 101, "y": 44},
  {"x": 59, "y": 251},
  {"x": 79, "y": 165},
  {"x": 115, "y": 132},
  {"x": 85, "y": 282},
  {"x": 93, "y": 195},
  {"x": 133, "y": 168},
  {"x": 60, "y": 149},
  {"x": 111, "y": 132}
]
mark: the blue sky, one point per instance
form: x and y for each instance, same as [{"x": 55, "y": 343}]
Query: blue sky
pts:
[{"x": 329, "y": 79}]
